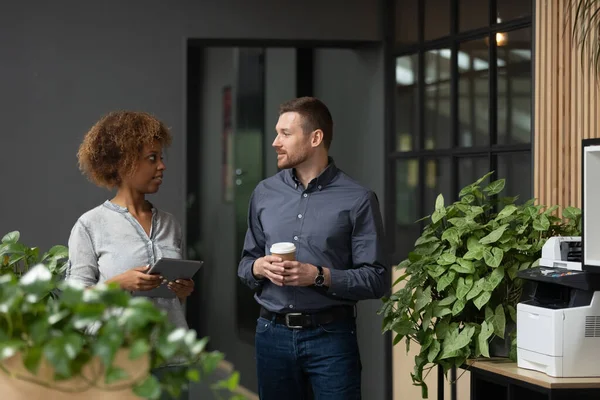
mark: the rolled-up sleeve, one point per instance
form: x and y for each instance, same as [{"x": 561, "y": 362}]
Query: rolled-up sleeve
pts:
[
  {"x": 254, "y": 247},
  {"x": 83, "y": 262},
  {"x": 369, "y": 277}
]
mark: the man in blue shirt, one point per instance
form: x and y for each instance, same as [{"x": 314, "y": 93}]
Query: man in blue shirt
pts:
[{"x": 306, "y": 332}]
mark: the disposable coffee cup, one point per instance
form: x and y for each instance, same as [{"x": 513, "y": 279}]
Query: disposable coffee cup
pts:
[{"x": 285, "y": 250}]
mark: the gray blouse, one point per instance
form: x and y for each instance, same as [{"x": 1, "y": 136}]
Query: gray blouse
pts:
[{"x": 108, "y": 240}]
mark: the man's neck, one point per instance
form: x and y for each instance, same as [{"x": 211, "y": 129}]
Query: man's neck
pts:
[{"x": 310, "y": 169}]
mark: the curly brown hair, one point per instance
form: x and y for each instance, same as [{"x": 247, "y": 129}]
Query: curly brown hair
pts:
[{"x": 111, "y": 148}]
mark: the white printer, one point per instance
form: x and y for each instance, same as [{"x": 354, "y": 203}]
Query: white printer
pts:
[{"x": 558, "y": 326}]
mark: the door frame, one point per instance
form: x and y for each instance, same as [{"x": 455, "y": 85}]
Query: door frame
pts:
[{"x": 304, "y": 89}]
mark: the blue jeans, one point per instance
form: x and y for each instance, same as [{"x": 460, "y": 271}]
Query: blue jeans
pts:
[{"x": 326, "y": 357}]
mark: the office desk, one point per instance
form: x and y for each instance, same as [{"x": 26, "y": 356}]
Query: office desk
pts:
[{"x": 501, "y": 379}]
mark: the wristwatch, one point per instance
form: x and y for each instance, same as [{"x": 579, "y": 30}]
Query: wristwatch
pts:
[{"x": 320, "y": 278}]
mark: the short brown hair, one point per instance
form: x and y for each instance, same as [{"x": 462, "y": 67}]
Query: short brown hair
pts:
[
  {"x": 315, "y": 115},
  {"x": 112, "y": 146}
]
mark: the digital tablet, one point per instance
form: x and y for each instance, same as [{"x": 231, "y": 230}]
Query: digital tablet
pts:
[{"x": 171, "y": 269}]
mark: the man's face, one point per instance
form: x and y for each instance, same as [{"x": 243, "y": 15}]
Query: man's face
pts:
[
  {"x": 292, "y": 145},
  {"x": 148, "y": 174}
]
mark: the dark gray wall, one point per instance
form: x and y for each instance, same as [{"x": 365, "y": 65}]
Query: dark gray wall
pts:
[
  {"x": 351, "y": 84},
  {"x": 65, "y": 63}
]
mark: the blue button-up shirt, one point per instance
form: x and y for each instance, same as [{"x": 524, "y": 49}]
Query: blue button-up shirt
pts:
[{"x": 334, "y": 223}]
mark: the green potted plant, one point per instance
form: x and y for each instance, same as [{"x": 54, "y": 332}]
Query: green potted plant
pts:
[
  {"x": 46, "y": 348},
  {"x": 460, "y": 286}
]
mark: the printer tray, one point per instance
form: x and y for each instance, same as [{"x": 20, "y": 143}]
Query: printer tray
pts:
[{"x": 582, "y": 280}]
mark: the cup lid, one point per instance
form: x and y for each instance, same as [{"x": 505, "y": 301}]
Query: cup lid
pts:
[{"x": 283, "y": 248}]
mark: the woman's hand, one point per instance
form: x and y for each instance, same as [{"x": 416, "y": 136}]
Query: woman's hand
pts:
[
  {"x": 136, "y": 279},
  {"x": 182, "y": 288}
]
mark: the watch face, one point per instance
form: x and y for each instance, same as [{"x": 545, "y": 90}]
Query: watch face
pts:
[{"x": 319, "y": 280}]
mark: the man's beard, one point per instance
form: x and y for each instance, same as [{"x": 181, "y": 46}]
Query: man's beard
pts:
[{"x": 292, "y": 161}]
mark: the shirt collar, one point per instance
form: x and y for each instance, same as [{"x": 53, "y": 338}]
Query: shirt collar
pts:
[{"x": 322, "y": 180}]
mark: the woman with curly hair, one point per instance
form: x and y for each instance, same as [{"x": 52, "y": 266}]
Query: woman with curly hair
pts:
[{"x": 118, "y": 240}]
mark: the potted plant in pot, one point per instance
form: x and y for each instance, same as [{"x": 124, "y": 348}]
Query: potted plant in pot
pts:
[
  {"x": 47, "y": 350},
  {"x": 460, "y": 287}
]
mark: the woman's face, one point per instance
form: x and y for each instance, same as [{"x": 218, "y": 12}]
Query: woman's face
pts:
[{"x": 148, "y": 174}]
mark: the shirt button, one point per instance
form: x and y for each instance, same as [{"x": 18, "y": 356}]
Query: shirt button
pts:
[
  {"x": 295, "y": 237},
  {"x": 333, "y": 294},
  {"x": 299, "y": 215},
  {"x": 320, "y": 187},
  {"x": 304, "y": 195},
  {"x": 291, "y": 306}
]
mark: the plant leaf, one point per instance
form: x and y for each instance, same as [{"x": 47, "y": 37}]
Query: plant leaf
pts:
[
  {"x": 493, "y": 258},
  {"x": 512, "y": 312},
  {"x": 439, "y": 203},
  {"x": 115, "y": 374},
  {"x": 482, "y": 299},
  {"x": 495, "y": 187},
  {"x": 438, "y": 215},
  {"x": 506, "y": 212},
  {"x": 11, "y": 237},
  {"x": 139, "y": 348},
  {"x": 494, "y": 235},
  {"x": 464, "y": 287},
  {"x": 148, "y": 389},
  {"x": 494, "y": 279},
  {"x": 447, "y": 301},
  {"x": 571, "y": 213},
  {"x": 459, "y": 305},
  {"x": 463, "y": 266},
  {"x": 446, "y": 259},
  {"x": 446, "y": 280},
  {"x": 476, "y": 289},
  {"x": 423, "y": 298},
  {"x": 441, "y": 329},
  {"x": 453, "y": 344},
  {"x": 542, "y": 224},
  {"x": 486, "y": 332},
  {"x": 476, "y": 254},
  {"x": 452, "y": 236},
  {"x": 32, "y": 359},
  {"x": 499, "y": 321},
  {"x": 434, "y": 350}
]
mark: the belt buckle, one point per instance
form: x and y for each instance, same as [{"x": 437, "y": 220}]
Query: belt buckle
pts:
[{"x": 287, "y": 320}]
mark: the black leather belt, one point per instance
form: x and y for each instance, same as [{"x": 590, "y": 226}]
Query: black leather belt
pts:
[{"x": 309, "y": 320}]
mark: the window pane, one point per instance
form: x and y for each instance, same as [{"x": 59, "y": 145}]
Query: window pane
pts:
[
  {"x": 473, "y": 93},
  {"x": 510, "y": 9},
  {"x": 473, "y": 14},
  {"x": 514, "y": 87},
  {"x": 406, "y": 103},
  {"x": 407, "y": 22},
  {"x": 437, "y": 19},
  {"x": 436, "y": 180},
  {"x": 516, "y": 169},
  {"x": 470, "y": 169},
  {"x": 437, "y": 99},
  {"x": 407, "y": 207}
]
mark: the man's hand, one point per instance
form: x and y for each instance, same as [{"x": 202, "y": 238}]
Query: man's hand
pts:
[
  {"x": 300, "y": 274},
  {"x": 182, "y": 288},
  {"x": 265, "y": 267}
]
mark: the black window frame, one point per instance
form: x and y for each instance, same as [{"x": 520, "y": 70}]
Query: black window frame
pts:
[{"x": 454, "y": 152}]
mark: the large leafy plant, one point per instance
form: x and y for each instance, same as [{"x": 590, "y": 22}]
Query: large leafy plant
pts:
[
  {"x": 71, "y": 331},
  {"x": 17, "y": 258},
  {"x": 460, "y": 281}
]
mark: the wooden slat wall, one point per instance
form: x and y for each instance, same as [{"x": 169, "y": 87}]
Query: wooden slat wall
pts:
[{"x": 566, "y": 106}]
